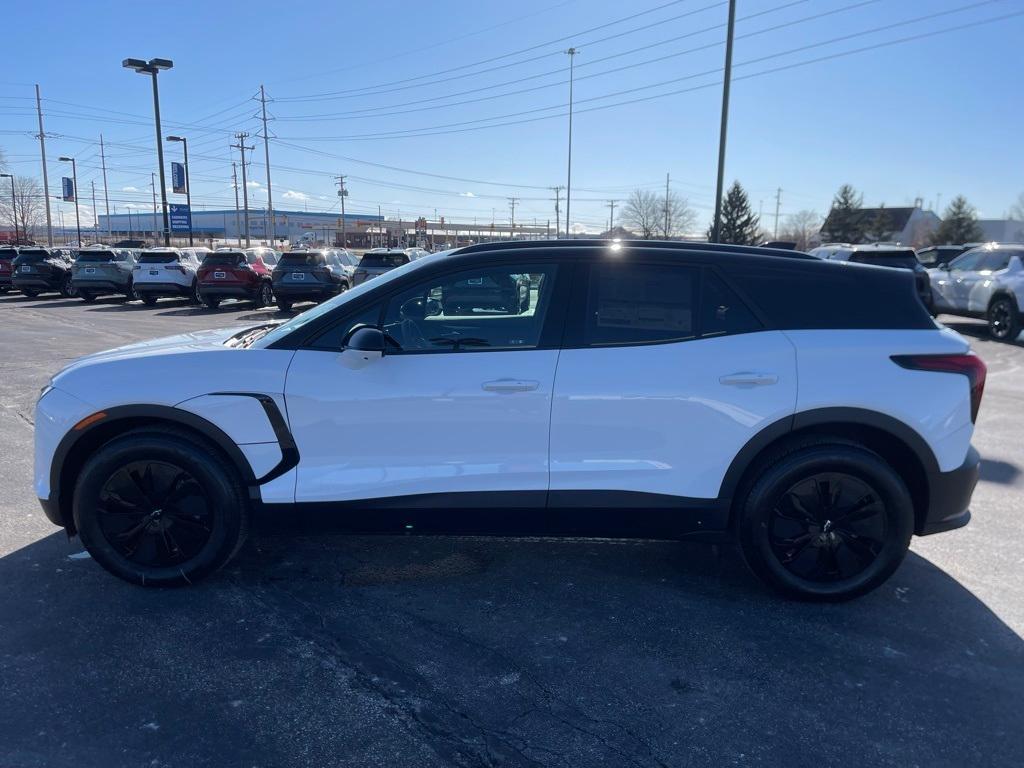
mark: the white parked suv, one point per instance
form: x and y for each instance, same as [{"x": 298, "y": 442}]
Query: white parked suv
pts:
[
  {"x": 168, "y": 272},
  {"x": 677, "y": 389},
  {"x": 986, "y": 282}
]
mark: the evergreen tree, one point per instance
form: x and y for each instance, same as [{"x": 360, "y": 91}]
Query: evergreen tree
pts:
[
  {"x": 740, "y": 225},
  {"x": 845, "y": 223},
  {"x": 880, "y": 226},
  {"x": 959, "y": 224}
]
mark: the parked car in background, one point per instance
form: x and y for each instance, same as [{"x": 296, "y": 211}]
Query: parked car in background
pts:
[
  {"x": 881, "y": 255},
  {"x": 706, "y": 390},
  {"x": 8, "y": 254},
  {"x": 39, "y": 269},
  {"x": 377, "y": 261},
  {"x": 349, "y": 261},
  {"x": 167, "y": 272},
  {"x": 308, "y": 275},
  {"x": 268, "y": 255},
  {"x": 235, "y": 274},
  {"x": 101, "y": 271},
  {"x": 937, "y": 255},
  {"x": 505, "y": 294},
  {"x": 986, "y": 282}
]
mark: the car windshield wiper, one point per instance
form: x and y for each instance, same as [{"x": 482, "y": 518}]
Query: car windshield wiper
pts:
[
  {"x": 251, "y": 336},
  {"x": 456, "y": 343}
]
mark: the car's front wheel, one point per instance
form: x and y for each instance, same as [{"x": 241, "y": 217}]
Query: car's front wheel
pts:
[
  {"x": 265, "y": 295},
  {"x": 825, "y": 520},
  {"x": 159, "y": 509},
  {"x": 211, "y": 302},
  {"x": 67, "y": 289},
  {"x": 29, "y": 293},
  {"x": 87, "y": 297},
  {"x": 148, "y": 299},
  {"x": 194, "y": 296},
  {"x": 1003, "y": 319}
]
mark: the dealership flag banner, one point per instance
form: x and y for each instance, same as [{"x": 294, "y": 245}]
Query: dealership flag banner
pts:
[
  {"x": 181, "y": 217},
  {"x": 69, "y": 189},
  {"x": 178, "y": 178}
]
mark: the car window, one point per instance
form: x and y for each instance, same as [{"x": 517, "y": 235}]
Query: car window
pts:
[
  {"x": 489, "y": 308},
  {"x": 722, "y": 311},
  {"x": 993, "y": 261},
  {"x": 334, "y": 337},
  {"x": 639, "y": 304},
  {"x": 966, "y": 263}
]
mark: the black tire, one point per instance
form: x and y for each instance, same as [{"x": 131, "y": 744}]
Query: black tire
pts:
[
  {"x": 825, "y": 520},
  {"x": 87, "y": 297},
  {"x": 4, "y": 289},
  {"x": 194, "y": 296},
  {"x": 211, "y": 302},
  {"x": 160, "y": 509},
  {"x": 264, "y": 295},
  {"x": 1003, "y": 319},
  {"x": 283, "y": 304},
  {"x": 67, "y": 290},
  {"x": 29, "y": 293},
  {"x": 130, "y": 294},
  {"x": 148, "y": 299}
]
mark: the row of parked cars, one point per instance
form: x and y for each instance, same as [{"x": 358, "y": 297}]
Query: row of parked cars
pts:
[
  {"x": 260, "y": 275},
  {"x": 979, "y": 280}
]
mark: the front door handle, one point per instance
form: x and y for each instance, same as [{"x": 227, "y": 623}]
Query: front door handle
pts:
[
  {"x": 506, "y": 386},
  {"x": 749, "y": 379}
]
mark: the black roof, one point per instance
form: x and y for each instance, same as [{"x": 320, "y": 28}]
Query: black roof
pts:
[
  {"x": 898, "y": 217},
  {"x": 671, "y": 245}
]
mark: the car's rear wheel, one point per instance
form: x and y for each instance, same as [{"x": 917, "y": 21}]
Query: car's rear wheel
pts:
[
  {"x": 67, "y": 290},
  {"x": 265, "y": 295},
  {"x": 148, "y": 299},
  {"x": 283, "y": 304},
  {"x": 159, "y": 509},
  {"x": 211, "y": 302},
  {"x": 29, "y": 293},
  {"x": 87, "y": 297},
  {"x": 1003, "y": 319},
  {"x": 194, "y": 297},
  {"x": 825, "y": 521},
  {"x": 130, "y": 294}
]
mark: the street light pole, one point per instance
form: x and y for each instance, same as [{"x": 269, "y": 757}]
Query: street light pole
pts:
[
  {"x": 14, "y": 205},
  {"x": 74, "y": 181},
  {"x": 725, "y": 121},
  {"x": 568, "y": 182},
  {"x": 188, "y": 183},
  {"x": 152, "y": 68}
]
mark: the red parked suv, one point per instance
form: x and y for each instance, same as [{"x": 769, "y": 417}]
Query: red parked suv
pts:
[{"x": 234, "y": 274}]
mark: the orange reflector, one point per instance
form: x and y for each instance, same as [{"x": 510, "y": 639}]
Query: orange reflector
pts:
[{"x": 89, "y": 420}]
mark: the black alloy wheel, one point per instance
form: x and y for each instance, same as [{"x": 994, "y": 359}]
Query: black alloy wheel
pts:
[
  {"x": 194, "y": 296},
  {"x": 1003, "y": 320},
  {"x": 265, "y": 295},
  {"x": 155, "y": 514}
]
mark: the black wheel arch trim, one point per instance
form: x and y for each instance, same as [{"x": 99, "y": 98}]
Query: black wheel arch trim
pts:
[{"x": 167, "y": 413}]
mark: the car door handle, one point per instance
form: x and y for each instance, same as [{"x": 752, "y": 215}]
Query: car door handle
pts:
[
  {"x": 506, "y": 386},
  {"x": 748, "y": 379}
]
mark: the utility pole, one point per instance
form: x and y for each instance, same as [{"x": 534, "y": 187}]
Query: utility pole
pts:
[
  {"x": 725, "y": 121},
  {"x": 667, "y": 233},
  {"x": 106, "y": 195},
  {"x": 95, "y": 216},
  {"x": 46, "y": 182},
  {"x": 512, "y": 203},
  {"x": 383, "y": 228},
  {"x": 568, "y": 181},
  {"x": 238, "y": 223},
  {"x": 778, "y": 202},
  {"x": 240, "y": 146},
  {"x": 611, "y": 215},
  {"x": 152, "y": 185},
  {"x": 558, "y": 215},
  {"x": 343, "y": 193},
  {"x": 266, "y": 155}
]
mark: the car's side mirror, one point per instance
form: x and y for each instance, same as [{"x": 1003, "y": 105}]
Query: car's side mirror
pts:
[{"x": 363, "y": 345}]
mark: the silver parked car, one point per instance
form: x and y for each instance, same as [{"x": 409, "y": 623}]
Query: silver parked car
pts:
[
  {"x": 101, "y": 271},
  {"x": 986, "y": 282}
]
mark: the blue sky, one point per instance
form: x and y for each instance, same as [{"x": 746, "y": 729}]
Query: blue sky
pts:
[{"x": 931, "y": 117}]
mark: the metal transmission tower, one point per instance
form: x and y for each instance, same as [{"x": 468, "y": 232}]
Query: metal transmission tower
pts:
[{"x": 241, "y": 147}]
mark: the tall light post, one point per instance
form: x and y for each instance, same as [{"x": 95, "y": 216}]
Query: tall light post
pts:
[
  {"x": 568, "y": 182},
  {"x": 188, "y": 184},
  {"x": 152, "y": 67},
  {"x": 716, "y": 225},
  {"x": 74, "y": 181},
  {"x": 14, "y": 207}
]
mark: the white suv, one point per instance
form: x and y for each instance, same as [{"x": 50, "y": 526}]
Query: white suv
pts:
[
  {"x": 669, "y": 388},
  {"x": 168, "y": 272},
  {"x": 986, "y": 282}
]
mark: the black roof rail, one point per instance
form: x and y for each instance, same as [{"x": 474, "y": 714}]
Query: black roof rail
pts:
[{"x": 669, "y": 245}]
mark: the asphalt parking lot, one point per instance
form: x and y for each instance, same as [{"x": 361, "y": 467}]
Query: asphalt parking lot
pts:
[{"x": 316, "y": 648}]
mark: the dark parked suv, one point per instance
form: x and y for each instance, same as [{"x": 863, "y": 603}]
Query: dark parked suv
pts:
[
  {"x": 308, "y": 276},
  {"x": 378, "y": 261},
  {"x": 233, "y": 274},
  {"x": 505, "y": 294},
  {"x": 7, "y": 256},
  {"x": 103, "y": 271},
  {"x": 43, "y": 270},
  {"x": 883, "y": 255}
]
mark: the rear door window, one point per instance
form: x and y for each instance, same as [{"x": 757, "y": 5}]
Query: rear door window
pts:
[
  {"x": 994, "y": 261},
  {"x": 640, "y": 304},
  {"x": 967, "y": 263}
]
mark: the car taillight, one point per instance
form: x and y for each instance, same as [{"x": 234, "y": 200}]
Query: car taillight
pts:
[
  {"x": 970, "y": 365},
  {"x": 175, "y": 268}
]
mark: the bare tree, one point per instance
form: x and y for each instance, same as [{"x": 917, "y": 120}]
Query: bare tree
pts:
[
  {"x": 1017, "y": 209},
  {"x": 642, "y": 211},
  {"x": 28, "y": 204},
  {"x": 801, "y": 228},
  {"x": 677, "y": 217}
]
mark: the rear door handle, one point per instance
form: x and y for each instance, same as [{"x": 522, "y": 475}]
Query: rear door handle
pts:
[
  {"x": 506, "y": 386},
  {"x": 748, "y": 379}
]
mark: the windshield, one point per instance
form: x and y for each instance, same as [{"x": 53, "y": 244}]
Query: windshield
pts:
[
  {"x": 308, "y": 316},
  {"x": 99, "y": 256},
  {"x": 387, "y": 260}
]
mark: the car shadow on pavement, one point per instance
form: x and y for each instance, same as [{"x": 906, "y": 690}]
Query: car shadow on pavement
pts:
[
  {"x": 1002, "y": 472},
  {"x": 449, "y": 650}
]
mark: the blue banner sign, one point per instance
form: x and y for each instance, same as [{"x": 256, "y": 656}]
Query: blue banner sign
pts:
[
  {"x": 69, "y": 189},
  {"x": 178, "y": 178},
  {"x": 181, "y": 217}
]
